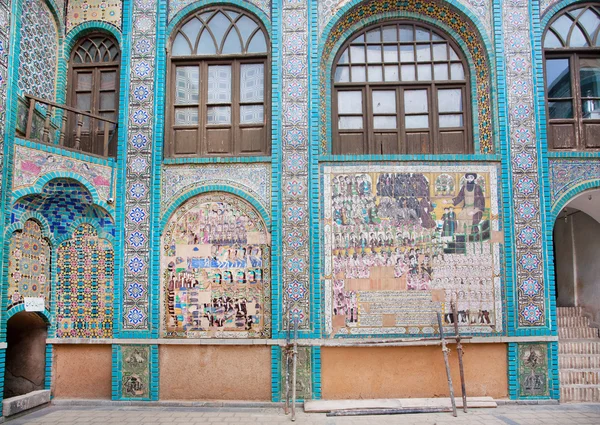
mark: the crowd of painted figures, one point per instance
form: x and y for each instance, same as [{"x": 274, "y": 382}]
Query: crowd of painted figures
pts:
[{"x": 394, "y": 225}]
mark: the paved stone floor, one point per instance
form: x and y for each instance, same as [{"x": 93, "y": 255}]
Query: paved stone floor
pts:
[{"x": 507, "y": 415}]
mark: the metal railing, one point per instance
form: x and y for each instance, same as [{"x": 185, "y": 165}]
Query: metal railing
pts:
[{"x": 72, "y": 129}]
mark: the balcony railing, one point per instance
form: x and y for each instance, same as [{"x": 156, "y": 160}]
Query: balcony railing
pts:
[{"x": 74, "y": 129}]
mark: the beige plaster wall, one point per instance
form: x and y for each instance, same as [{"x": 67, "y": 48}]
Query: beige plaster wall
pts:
[
  {"x": 192, "y": 372},
  {"x": 82, "y": 371},
  {"x": 402, "y": 372}
]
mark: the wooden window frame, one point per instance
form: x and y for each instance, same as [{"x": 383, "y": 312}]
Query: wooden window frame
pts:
[
  {"x": 95, "y": 68},
  {"x": 202, "y": 128},
  {"x": 433, "y": 145}
]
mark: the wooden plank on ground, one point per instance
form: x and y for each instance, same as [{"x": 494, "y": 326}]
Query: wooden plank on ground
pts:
[{"x": 324, "y": 406}]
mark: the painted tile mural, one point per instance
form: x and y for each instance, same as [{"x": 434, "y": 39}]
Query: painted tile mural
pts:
[
  {"x": 85, "y": 286},
  {"x": 254, "y": 179},
  {"x": 533, "y": 370},
  {"x": 177, "y": 5},
  {"x": 80, "y": 11},
  {"x": 566, "y": 174},
  {"x": 39, "y": 50},
  {"x": 530, "y": 299},
  {"x": 29, "y": 265},
  {"x": 32, "y": 164},
  {"x": 216, "y": 270},
  {"x": 402, "y": 242},
  {"x": 135, "y": 373}
]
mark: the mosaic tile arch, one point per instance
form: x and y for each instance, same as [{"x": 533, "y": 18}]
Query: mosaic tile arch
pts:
[
  {"x": 439, "y": 13},
  {"x": 215, "y": 270}
]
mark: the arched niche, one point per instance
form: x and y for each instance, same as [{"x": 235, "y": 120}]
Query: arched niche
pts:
[{"x": 215, "y": 263}]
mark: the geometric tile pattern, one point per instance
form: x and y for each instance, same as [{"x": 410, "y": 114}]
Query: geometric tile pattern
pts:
[
  {"x": 546, "y": 4},
  {"x": 139, "y": 159},
  {"x": 80, "y": 11},
  {"x": 4, "y": 50},
  {"x": 28, "y": 265},
  {"x": 438, "y": 12},
  {"x": 566, "y": 174},
  {"x": 294, "y": 177},
  {"x": 39, "y": 48},
  {"x": 176, "y": 5},
  {"x": 85, "y": 286},
  {"x": 523, "y": 160}
]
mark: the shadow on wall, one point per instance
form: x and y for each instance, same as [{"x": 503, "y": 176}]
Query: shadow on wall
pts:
[{"x": 25, "y": 354}]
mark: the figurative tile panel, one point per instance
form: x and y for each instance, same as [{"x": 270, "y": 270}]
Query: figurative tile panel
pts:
[
  {"x": 438, "y": 11},
  {"x": 135, "y": 373},
  {"x": 39, "y": 50},
  {"x": 80, "y": 11},
  {"x": 176, "y": 5},
  {"x": 63, "y": 202},
  {"x": 254, "y": 179},
  {"x": 85, "y": 287},
  {"x": 32, "y": 164},
  {"x": 216, "y": 270},
  {"x": 28, "y": 265},
  {"x": 533, "y": 370},
  {"x": 567, "y": 174},
  {"x": 403, "y": 242},
  {"x": 527, "y": 232}
]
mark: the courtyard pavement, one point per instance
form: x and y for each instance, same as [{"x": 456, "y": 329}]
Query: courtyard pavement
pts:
[{"x": 507, "y": 415}]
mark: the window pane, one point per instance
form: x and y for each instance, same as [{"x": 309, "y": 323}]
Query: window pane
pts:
[
  {"x": 375, "y": 74},
  {"x": 107, "y": 115},
  {"x": 390, "y": 54},
  {"x": 562, "y": 26},
  {"x": 416, "y": 121},
  {"x": 108, "y": 80},
  {"x": 391, "y": 73},
  {"x": 390, "y": 33},
  {"x": 551, "y": 41},
  {"x": 232, "y": 43},
  {"x": 560, "y": 109},
  {"x": 440, "y": 72},
  {"x": 252, "y": 114},
  {"x": 186, "y": 82},
  {"x": 373, "y": 54},
  {"x": 374, "y": 36},
  {"x": 407, "y": 53},
  {"x": 448, "y": 121},
  {"x": 246, "y": 26},
  {"x": 591, "y": 109},
  {"x": 357, "y": 54},
  {"x": 423, "y": 53},
  {"x": 252, "y": 82},
  {"x": 206, "y": 45},
  {"x": 384, "y": 102},
  {"x": 84, "y": 101},
  {"x": 590, "y": 21},
  {"x": 258, "y": 43},
  {"x": 219, "y": 115},
  {"x": 589, "y": 74},
  {"x": 577, "y": 38},
  {"x": 186, "y": 116},
  {"x": 558, "y": 78},
  {"x": 218, "y": 25},
  {"x": 342, "y": 74},
  {"x": 425, "y": 72},
  {"x": 457, "y": 71},
  {"x": 350, "y": 102},
  {"x": 358, "y": 74},
  {"x": 406, "y": 33},
  {"x": 440, "y": 52},
  {"x": 350, "y": 123},
  {"x": 344, "y": 58},
  {"x": 384, "y": 123},
  {"x": 415, "y": 101},
  {"x": 219, "y": 84},
  {"x": 423, "y": 34},
  {"x": 84, "y": 81},
  {"x": 408, "y": 72},
  {"x": 191, "y": 29},
  {"x": 450, "y": 100},
  {"x": 107, "y": 100}
]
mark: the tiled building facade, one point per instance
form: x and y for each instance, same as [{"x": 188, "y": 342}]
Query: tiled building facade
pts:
[{"x": 169, "y": 268}]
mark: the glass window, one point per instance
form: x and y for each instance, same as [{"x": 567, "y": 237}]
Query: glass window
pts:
[{"x": 219, "y": 63}]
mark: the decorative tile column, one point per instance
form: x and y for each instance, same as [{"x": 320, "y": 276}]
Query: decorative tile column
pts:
[{"x": 4, "y": 50}]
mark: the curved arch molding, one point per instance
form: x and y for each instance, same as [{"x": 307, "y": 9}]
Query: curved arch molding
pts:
[
  {"x": 468, "y": 37},
  {"x": 569, "y": 178},
  {"x": 176, "y": 6}
]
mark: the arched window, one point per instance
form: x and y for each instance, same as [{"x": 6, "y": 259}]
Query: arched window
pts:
[
  {"x": 572, "y": 65},
  {"x": 401, "y": 88},
  {"x": 94, "y": 88},
  {"x": 218, "y": 94}
]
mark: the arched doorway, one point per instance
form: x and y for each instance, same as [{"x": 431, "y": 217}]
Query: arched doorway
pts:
[{"x": 26, "y": 334}]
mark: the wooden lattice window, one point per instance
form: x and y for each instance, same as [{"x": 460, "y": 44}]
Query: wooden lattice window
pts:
[
  {"x": 94, "y": 88},
  {"x": 218, "y": 85},
  {"x": 572, "y": 71},
  {"x": 401, "y": 88}
]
